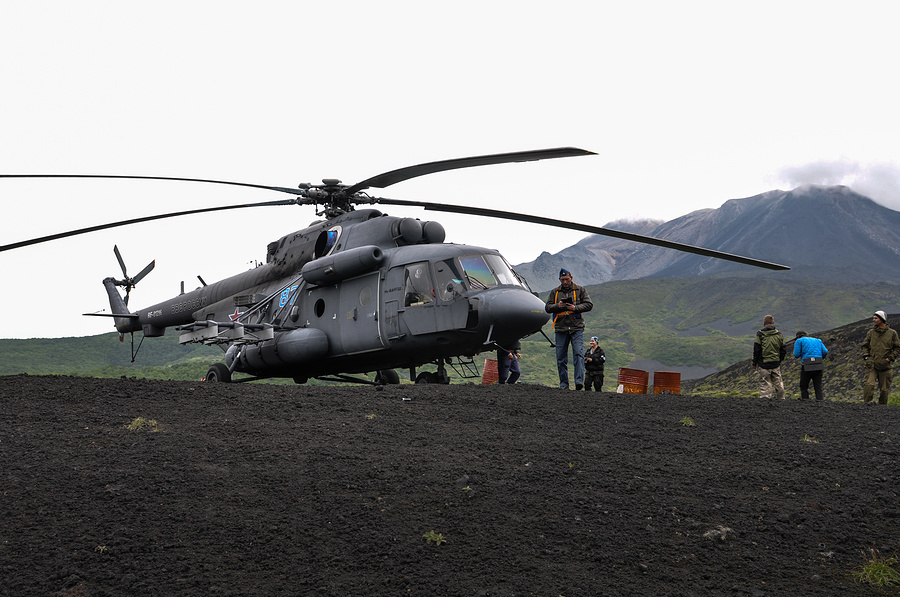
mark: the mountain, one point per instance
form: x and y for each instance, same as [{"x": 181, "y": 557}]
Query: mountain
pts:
[
  {"x": 595, "y": 258},
  {"x": 821, "y": 232}
]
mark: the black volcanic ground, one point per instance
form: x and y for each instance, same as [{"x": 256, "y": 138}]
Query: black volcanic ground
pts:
[{"x": 247, "y": 489}]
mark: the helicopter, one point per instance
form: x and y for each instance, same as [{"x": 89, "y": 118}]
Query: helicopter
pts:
[{"x": 357, "y": 292}]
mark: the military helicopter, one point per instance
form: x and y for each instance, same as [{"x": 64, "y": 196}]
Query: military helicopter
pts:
[{"x": 356, "y": 292}]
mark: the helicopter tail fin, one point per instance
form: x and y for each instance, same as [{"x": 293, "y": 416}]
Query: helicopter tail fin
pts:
[{"x": 125, "y": 321}]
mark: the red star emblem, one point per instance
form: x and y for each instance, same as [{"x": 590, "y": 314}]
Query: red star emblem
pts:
[{"x": 234, "y": 316}]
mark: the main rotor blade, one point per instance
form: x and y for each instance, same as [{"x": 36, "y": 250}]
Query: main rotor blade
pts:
[
  {"x": 123, "y": 177},
  {"x": 394, "y": 176},
  {"x": 43, "y": 239},
  {"x": 507, "y": 215}
]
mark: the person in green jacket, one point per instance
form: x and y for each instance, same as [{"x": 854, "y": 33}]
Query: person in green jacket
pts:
[
  {"x": 768, "y": 352},
  {"x": 880, "y": 349}
]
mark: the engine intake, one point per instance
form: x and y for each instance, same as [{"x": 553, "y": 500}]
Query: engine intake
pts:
[{"x": 343, "y": 265}]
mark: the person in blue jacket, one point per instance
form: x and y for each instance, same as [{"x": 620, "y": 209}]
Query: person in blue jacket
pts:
[{"x": 804, "y": 348}]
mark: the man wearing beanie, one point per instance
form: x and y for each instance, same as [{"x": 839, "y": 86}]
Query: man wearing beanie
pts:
[
  {"x": 880, "y": 350},
  {"x": 566, "y": 303},
  {"x": 594, "y": 364}
]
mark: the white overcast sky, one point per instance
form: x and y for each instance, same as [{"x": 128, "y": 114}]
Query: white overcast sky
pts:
[{"x": 687, "y": 104}]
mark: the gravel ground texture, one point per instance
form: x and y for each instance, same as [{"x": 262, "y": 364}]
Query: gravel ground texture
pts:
[{"x": 136, "y": 487}]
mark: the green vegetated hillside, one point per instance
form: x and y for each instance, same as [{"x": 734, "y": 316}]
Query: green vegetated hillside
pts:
[
  {"x": 105, "y": 356},
  {"x": 685, "y": 324},
  {"x": 703, "y": 323}
]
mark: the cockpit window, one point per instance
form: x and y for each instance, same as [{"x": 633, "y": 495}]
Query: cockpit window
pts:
[
  {"x": 477, "y": 272},
  {"x": 417, "y": 288},
  {"x": 484, "y": 271},
  {"x": 502, "y": 270}
]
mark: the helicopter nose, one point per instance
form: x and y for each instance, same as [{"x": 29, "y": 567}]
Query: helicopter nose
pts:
[{"x": 515, "y": 313}]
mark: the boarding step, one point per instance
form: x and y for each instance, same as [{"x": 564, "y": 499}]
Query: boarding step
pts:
[{"x": 465, "y": 367}]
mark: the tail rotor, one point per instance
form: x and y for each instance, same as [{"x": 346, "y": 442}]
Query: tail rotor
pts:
[{"x": 128, "y": 282}]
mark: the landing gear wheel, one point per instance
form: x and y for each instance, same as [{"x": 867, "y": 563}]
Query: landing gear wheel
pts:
[
  {"x": 218, "y": 372},
  {"x": 387, "y": 377},
  {"x": 427, "y": 377}
]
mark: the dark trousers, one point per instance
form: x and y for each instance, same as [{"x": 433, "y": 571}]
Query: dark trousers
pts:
[
  {"x": 595, "y": 379},
  {"x": 507, "y": 367},
  {"x": 816, "y": 378}
]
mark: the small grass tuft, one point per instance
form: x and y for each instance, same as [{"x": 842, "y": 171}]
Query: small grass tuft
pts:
[
  {"x": 807, "y": 438},
  {"x": 436, "y": 538},
  {"x": 687, "y": 422},
  {"x": 142, "y": 423},
  {"x": 878, "y": 571}
]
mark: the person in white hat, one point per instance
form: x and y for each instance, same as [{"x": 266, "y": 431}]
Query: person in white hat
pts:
[{"x": 880, "y": 349}]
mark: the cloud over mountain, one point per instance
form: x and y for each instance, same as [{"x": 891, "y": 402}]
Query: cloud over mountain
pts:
[{"x": 879, "y": 181}]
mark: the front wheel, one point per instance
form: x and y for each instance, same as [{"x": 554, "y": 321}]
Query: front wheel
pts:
[
  {"x": 426, "y": 377},
  {"x": 218, "y": 373},
  {"x": 387, "y": 377}
]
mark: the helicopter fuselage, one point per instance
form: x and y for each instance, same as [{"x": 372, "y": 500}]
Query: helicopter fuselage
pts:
[{"x": 358, "y": 293}]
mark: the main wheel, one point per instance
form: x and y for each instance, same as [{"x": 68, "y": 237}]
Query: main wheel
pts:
[
  {"x": 387, "y": 376},
  {"x": 218, "y": 372}
]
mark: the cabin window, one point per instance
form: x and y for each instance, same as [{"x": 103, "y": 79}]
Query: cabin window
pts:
[
  {"x": 449, "y": 280},
  {"x": 417, "y": 287}
]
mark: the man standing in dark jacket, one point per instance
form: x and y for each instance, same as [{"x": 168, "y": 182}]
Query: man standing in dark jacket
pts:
[
  {"x": 768, "y": 352},
  {"x": 880, "y": 349},
  {"x": 567, "y": 302},
  {"x": 594, "y": 363}
]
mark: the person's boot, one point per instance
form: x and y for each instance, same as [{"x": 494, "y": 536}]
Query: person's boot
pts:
[
  {"x": 579, "y": 386},
  {"x": 868, "y": 393}
]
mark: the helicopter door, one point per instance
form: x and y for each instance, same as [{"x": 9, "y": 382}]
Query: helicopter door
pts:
[
  {"x": 452, "y": 311},
  {"x": 418, "y": 299},
  {"x": 359, "y": 309}
]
